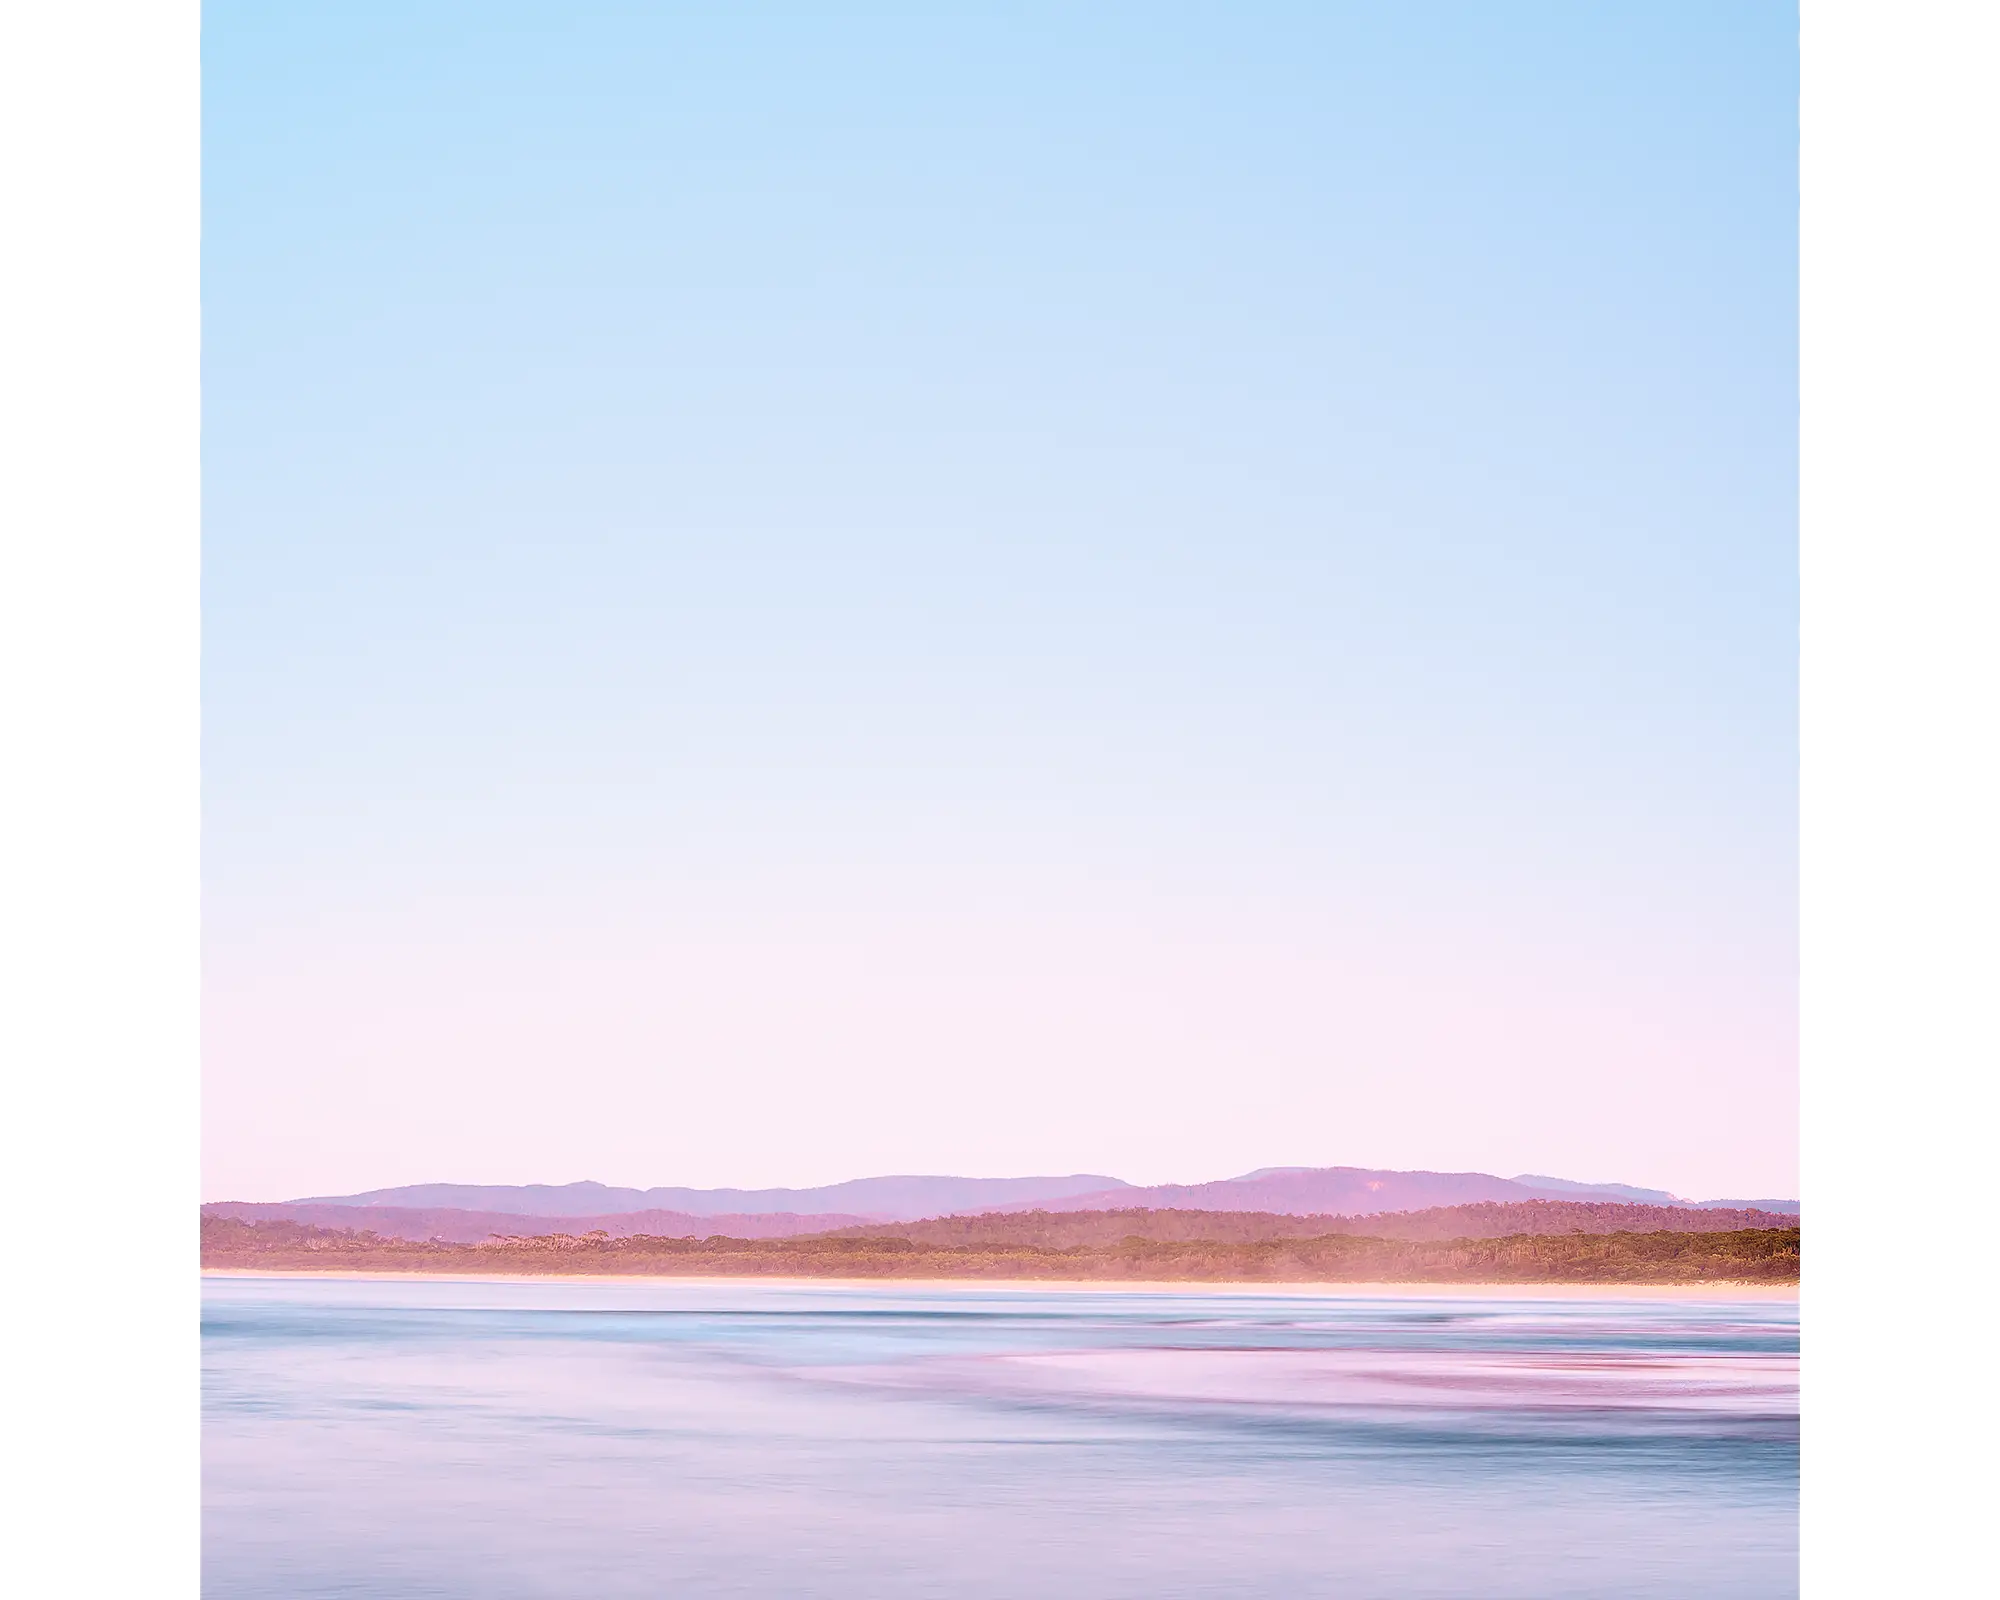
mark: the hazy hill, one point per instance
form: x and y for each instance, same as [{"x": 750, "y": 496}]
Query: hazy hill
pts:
[
  {"x": 1317, "y": 1191},
  {"x": 469, "y": 1212},
  {"x": 1362, "y": 1191},
  {"x": 887, "y": 1199},
  {"x": 1657, "y": 1197},
  {"x": 1609, "y": 1191}
]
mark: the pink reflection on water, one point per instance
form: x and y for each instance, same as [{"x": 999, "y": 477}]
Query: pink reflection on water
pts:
[{"x": 1751, "y": 1385}]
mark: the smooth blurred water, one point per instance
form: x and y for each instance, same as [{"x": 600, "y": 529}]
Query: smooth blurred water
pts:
[{"x": 422, "y": 1438}]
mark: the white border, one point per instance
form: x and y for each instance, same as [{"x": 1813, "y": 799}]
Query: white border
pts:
[
  {"x": 1899, "y": 433},
  {"x": 99, "y": 820}
]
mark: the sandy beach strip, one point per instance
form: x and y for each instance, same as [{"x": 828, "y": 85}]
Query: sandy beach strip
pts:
[{"x": 1720, "y": 1290}]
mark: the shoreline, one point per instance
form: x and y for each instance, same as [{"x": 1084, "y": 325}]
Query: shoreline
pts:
[{"x": 1720, "y": 1289}]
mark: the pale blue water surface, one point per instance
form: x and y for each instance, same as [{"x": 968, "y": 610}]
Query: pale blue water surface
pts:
[{"x": 404, "y": 1438}]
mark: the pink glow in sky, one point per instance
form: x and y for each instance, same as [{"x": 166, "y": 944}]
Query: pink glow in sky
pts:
[{"x": 1154, "y": 1042}]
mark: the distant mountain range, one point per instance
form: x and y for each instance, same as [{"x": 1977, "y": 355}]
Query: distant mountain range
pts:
[
  {"x": 877, "y": 1199},
  {"x": 468, "y": 1213},
  {"x": 1562, "y": 1187},
  {"x": 1363, "y": 1191}
]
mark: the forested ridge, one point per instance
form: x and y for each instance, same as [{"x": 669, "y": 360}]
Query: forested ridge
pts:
[{"x": 1079, "y": 1246}]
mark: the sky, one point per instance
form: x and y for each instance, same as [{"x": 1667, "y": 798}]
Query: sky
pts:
[{"x": 793, "y": 592}]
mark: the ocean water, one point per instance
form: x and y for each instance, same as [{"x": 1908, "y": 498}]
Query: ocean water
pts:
[{"x": 410, "y": 1439}]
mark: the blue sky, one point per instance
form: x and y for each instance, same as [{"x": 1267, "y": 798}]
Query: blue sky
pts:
[{"x": 1308, "y": 480}]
